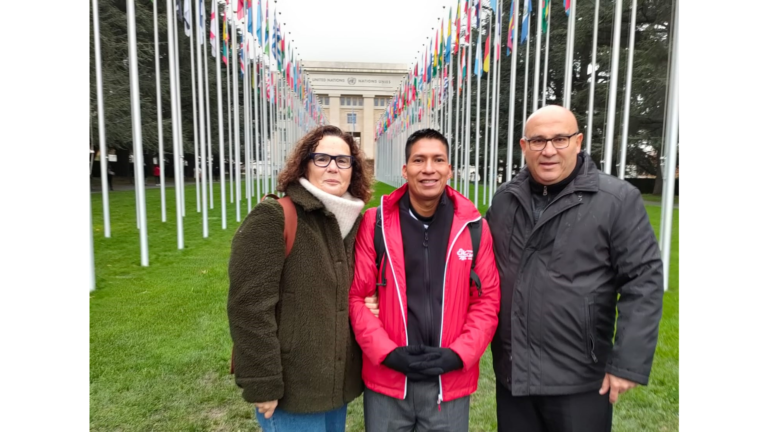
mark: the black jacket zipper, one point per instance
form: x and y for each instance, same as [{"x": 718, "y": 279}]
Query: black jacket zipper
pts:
[{"x": 429, "y": 288}]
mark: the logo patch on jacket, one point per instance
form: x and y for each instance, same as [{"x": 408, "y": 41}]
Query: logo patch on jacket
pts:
[{"x": 464, "y": 254}]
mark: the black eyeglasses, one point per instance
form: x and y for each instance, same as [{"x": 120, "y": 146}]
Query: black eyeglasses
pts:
[
  {"x": 322, "y": 160},
  {"x": 559, "y": 142}
]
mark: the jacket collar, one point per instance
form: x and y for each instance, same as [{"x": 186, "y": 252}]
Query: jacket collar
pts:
[
  {"x": 587, "y": 180},
  {"x": 303, "y": 197}
]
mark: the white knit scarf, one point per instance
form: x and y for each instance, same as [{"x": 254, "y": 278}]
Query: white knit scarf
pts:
[{"x": 346, "y": 208}]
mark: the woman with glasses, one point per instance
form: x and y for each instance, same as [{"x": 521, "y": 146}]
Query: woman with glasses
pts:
[{"x": 295, "y": 356}]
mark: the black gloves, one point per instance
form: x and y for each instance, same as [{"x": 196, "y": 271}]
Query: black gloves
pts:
[
  {"x": 401, "y": 357},
  {"x": 422, "y": 362},
  {"x": 446, "y": 361}
]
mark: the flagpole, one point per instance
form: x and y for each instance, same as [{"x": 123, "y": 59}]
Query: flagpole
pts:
[
  {"x": 256, "y": 142},
  {"x": 525, "y": 88},
  {"x": 628, "y": 94},
  {"x": 194, "y": 117},
  {"x": 103, "y": 156},
  {"x": 496, "y": 101},
  {"x": 567, "y": 88},
  {"x": 536, "y": 68},
  {"x": 488, "y": 120},
  {"x": 201, "y": 123},
  {"x": 229, "y": 113},
  {"x": 264, "y": 133},
  {"x": 209, "y": 153},
  {"x": 608, "y": 149},
  {"x": 671, "y": 139},
  {"x": 236, "y": 93},
  {"x": 457, "y": 137},
  {"x": 181, "y": 202},
  {"x": 449, "y": 113},
  {"x": 544, "y": 82},
  {"x": 479, "y": 74},
  {"x": 512, "y": 90},
  {"x": 175, "y": 128},
  {"x": 161, "y": 155},
  {"x": 247, "y": 122},
  {"x": 469, "y": 106},
  {"x": 138, "y": 149},
  {"x": 215, "y": 13},
  {"x": 593, "y": 79}
]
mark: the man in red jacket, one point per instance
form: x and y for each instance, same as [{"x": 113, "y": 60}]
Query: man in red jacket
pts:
[{"x": 421, "y": 354}]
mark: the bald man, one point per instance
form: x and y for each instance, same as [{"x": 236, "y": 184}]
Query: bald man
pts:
[{"x": 572, "y": 246}]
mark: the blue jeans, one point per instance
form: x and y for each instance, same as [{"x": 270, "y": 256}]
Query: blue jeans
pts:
[{"x": 282, "y": 421}]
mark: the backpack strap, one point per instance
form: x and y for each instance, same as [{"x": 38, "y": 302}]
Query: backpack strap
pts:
[
  {"x": 291, "y": 220},
  {"x": 476, "y": 232},
  {"x": 378, "y": 244},
  {"x": 289, "y": 234}
]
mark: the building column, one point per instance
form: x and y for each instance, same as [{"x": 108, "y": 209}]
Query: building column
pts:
[
  {"x": 366, "y": 129},
  {"x": 335, "y": 109}
]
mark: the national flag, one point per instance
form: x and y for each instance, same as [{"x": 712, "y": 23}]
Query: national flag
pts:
[
  {"x": 478, "y": 66},
  {"x": 242, "y": 58},
  {"x": 442, "y": 46},
  {"x": 187, "y": 18},
  {"x": 240, "y": 10},
  {"x": 458, "y": 27},
  {"x": 258, "y": 24},
  {"x": 494, "y": 5},
  {"x": 477, "y": 13},
  {"x": 468, "y": 11},
  {"x": 497, "y": 38},
  {"x": 487, "y": 55},
  {"x": 435, "y": 56},
  {"x": 213, "y": 36},
  {"x": 448, "y": 47},
  {"x": 225, "y": 36},
  {"x": 526, "y": 17},
  {"x": 567, "y": 5},
  {"x": 545, "y": 15},
  {"x": 249, "y": 14},
  {"x": 266, "y": 33},
  {"x": 511, "y": 28},
  {"x": 201, "y": 22}
]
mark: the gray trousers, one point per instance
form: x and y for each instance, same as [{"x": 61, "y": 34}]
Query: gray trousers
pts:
[{"x": 418, "y": 411}]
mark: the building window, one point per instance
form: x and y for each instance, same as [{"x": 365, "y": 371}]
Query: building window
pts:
[
  {"x": 351, "y": 101},
  {"x": 324, "y": 100},
  {"x": 351, "y": 118},
  {"x": 381, "y": 102}
]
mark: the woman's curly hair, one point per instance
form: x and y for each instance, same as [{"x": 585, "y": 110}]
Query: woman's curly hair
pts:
[{"x": 296, "y": 163}]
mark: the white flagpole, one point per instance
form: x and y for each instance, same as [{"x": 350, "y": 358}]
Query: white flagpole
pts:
[
  {"x": 160, "y": 153},
  {"x": 215, "y": 13},
  {"x": 496, "y": 101},
  {"x": 477, "y": 113},
  {"x": 488, "y": 120},
  {"x": 181, "y": 202},
  {"x": 194, "y": 118},
  {"x": 628, "y": 94},
  {"x": 593, "y": 79},
  {"x": 201, "y": 124},
  {"x": 103, "y": 156},
  {"x": 247, "y": 124},
  {"x": 457, "y": 136},
  {"x": 91, "y": 258},
  {"x": 608, "y": 149},
  {"x": 138, "y": 150},
  {"x": 569, "y": 56},
  {"x": 512, "y": 87},
  {"x": 256, "y": 145},
  {"x": 175, "y": 121},
  {"x": 469, "y": 110},
  {"x": 671, "y": 140},
  {"x": 449, "y": 113},
  {"x": 544, "y": 82},
  {"x": 209, "y": 154},
  {"x": 264, "y": 133},
  {"x": 525, "y": 87},
  {"x": 536, "y": 68},
  {"x": 229, "y": 115},
  {"x": 236, "y": 92}
]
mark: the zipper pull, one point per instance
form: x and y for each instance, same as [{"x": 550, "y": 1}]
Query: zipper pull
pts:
[
  {"x": 545, "y": 191},
  {"x": 426, "y": 239}
]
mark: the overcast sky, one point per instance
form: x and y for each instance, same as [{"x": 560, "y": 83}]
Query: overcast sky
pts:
[{"x": 387, "y": 31}]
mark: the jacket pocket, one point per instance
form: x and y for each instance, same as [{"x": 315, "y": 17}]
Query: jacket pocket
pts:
[
  {"x": 589, "y": 336},
  {"x": 285, "y": 325}
]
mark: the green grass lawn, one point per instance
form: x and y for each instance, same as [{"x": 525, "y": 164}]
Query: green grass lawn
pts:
[{"x": 160, "y": 339}]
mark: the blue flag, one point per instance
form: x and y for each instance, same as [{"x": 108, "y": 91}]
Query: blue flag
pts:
[{"x": 526, "y": 20}]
